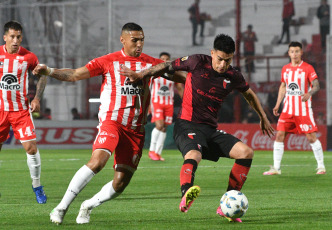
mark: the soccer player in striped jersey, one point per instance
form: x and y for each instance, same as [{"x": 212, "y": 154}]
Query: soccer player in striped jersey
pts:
[
  {"x": 209, "y": 81},
  {"x": 299, "y": 82},
  {"x": 162, "y": 107},
  {"x": 122, "y": 116},
  {"x": 15, "y": 110}
]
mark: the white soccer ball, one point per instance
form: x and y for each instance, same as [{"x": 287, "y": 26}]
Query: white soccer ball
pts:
[{"x": 234, "y": 204}]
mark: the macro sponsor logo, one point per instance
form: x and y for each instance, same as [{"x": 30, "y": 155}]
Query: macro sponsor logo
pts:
[
  {"x": 9, "y": 82},
  {"x": 129, "y": 89},
  {"x": 200, "y": 92},
  {"x": 164, "y": 91},
  {"x": 294, "y": 89}
]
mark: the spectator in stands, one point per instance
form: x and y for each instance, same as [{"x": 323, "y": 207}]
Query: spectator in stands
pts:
[
  {"x": 197, "y": 19},
  {"x": 249, "y": 38},
  {"x": 323, "y": 13},
  {"x": 287, "y": 13},
  {"x": 76, "y": 114}
]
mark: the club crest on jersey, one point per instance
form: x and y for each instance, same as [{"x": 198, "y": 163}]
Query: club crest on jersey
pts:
[
  {"x": 184, "y": 58},
  {"x": 226, "y": 82},
  {"x": 9, "y": 82},
  {"x": 191, "y": 135}
]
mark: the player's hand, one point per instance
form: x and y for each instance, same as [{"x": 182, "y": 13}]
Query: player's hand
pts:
[
  {"x": 132, "y": 75},
  {"x": 41, "y": 69},
  {"x": 266, "y": 127},
  {"x": 275, "y": 111},
  {"x": 35, "y": 105},
  {"x": 306, "y": 97}
]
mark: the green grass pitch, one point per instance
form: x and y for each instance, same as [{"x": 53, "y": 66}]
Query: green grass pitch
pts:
[{"x": 297, "y": 199}]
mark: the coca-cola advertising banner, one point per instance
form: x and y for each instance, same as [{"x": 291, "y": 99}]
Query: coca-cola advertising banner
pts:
[{"x": 252, "y": 135}]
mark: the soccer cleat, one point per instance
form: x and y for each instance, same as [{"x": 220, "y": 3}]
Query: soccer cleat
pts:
[
  {"x": 155, "y": 157},
  {"x": 189, "y": 197},
  {"x": 220, "y": 213},
  {"x": 40, "y": 194},
  {"x": 272, "y": 171},
  {"x": 321, "y": 171},
  {"x": 83, "y": 215},
  {"x": 57, "y": 215}
]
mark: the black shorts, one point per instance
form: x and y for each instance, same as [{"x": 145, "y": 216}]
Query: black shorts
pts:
[{"x": 211, "y": 142}]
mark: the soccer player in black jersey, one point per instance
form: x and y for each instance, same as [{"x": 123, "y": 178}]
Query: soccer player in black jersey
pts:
[{"x": 210, "y": 79}]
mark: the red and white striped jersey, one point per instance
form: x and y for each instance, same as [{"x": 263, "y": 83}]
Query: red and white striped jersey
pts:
[
  {"x": 14, "y": 78},
  {"x": 162, "y": 91},
  {"x": 298, "y": 82},
  {"x": 122, "y": 102}
]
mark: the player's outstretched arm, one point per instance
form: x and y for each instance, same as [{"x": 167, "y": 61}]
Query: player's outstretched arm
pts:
[
  {"x": 63, "y": 74},
  {"x": 254, "y": 102},
  {"x": 41, "y": 84}
]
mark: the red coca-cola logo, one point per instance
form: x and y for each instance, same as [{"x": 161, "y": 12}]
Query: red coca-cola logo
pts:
[
  {"x": 261, "y": 141},
  {"x": 299, "y": 142},
  {"x": 242, "y": 135}
]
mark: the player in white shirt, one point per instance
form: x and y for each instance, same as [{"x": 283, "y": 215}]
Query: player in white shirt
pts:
[
  {"x": 15, "y": 110},
  {"x": 299, "y": 82},
  {"x": 162, "y": 107}
]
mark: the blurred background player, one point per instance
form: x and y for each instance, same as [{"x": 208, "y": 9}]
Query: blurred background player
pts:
[
  {"x": 209, "y": 81},
  {"x": 15, "y": 111},
  {"x": 299, "y": 82},
  {"x": 122, "y": 115},
  {"x": 162, "y": 108}
]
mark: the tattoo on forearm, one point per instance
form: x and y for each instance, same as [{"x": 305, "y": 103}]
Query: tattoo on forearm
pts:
[
  {"x": 157, "y": 70},
  {"x": 63, "y": 74},
  {"x": 315, "y": 87},
  {"x": 40, "y": 87}
]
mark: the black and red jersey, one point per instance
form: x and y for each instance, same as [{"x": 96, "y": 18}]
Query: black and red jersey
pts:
[{"x": 205, "y": 89}]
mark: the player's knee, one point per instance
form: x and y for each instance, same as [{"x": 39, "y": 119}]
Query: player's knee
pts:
[
  {"x": 31, "y": 149},
  {"x": 96, "y": 166},
  {"x": 248, "y": 153}
]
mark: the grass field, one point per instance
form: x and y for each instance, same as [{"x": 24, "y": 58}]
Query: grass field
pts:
[{"x": 297, "y": 199}]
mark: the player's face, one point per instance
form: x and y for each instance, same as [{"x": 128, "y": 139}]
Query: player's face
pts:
[
  {"x": 221, "y": 60},
  {"x": 295, "y": 53},
  {"x": 164, "y": 57},
  {"x": 133, "y": 42},
  {"x": 13, "y": 39}
]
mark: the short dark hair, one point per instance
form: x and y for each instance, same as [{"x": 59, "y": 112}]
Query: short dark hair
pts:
[
  {"x": 164, "y": 53},
  {"x": 224, "y": 43},
  {"x": 131, "y": 26},
  {"x": 12, "y": 25},
  {"x": 295, "y": 44}
]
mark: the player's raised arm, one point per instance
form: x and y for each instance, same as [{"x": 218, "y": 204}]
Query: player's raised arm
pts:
[
  {"x": 63, "y": 74},
  {"x": 254, "y": 102}
]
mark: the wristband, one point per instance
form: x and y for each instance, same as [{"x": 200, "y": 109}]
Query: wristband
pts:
[{"x": 50, "y": 71}]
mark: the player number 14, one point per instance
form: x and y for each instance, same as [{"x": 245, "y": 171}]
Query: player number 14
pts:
[{"x": 27, "y": 132}]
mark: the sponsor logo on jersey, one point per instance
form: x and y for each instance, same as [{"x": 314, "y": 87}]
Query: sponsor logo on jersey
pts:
[
  {"x": 294, "y": 89},
  {"x": 20, "y": 57},
  {"x": 104, "y": 133},
  {"x": 164, "y": 91},
  {"x": 9, "y": 82},
  {"x": 200, "y": 92},
  {"x": 129, "y": 89}
]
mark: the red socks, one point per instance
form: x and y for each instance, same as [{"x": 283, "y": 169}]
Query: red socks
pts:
[
  {"x": 187, "y": 174},
  {"x": 239, "y": 174}
]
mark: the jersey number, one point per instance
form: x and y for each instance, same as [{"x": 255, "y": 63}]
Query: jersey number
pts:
[{"x": 27, "y": 132}]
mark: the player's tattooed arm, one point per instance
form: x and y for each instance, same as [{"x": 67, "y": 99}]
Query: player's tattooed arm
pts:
[
  {"x": 63, "y": 74},
  {"x": 41, "y": 84},
  {"x": 315, "y": 88},
  {"x": 157, "y": 70}
]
